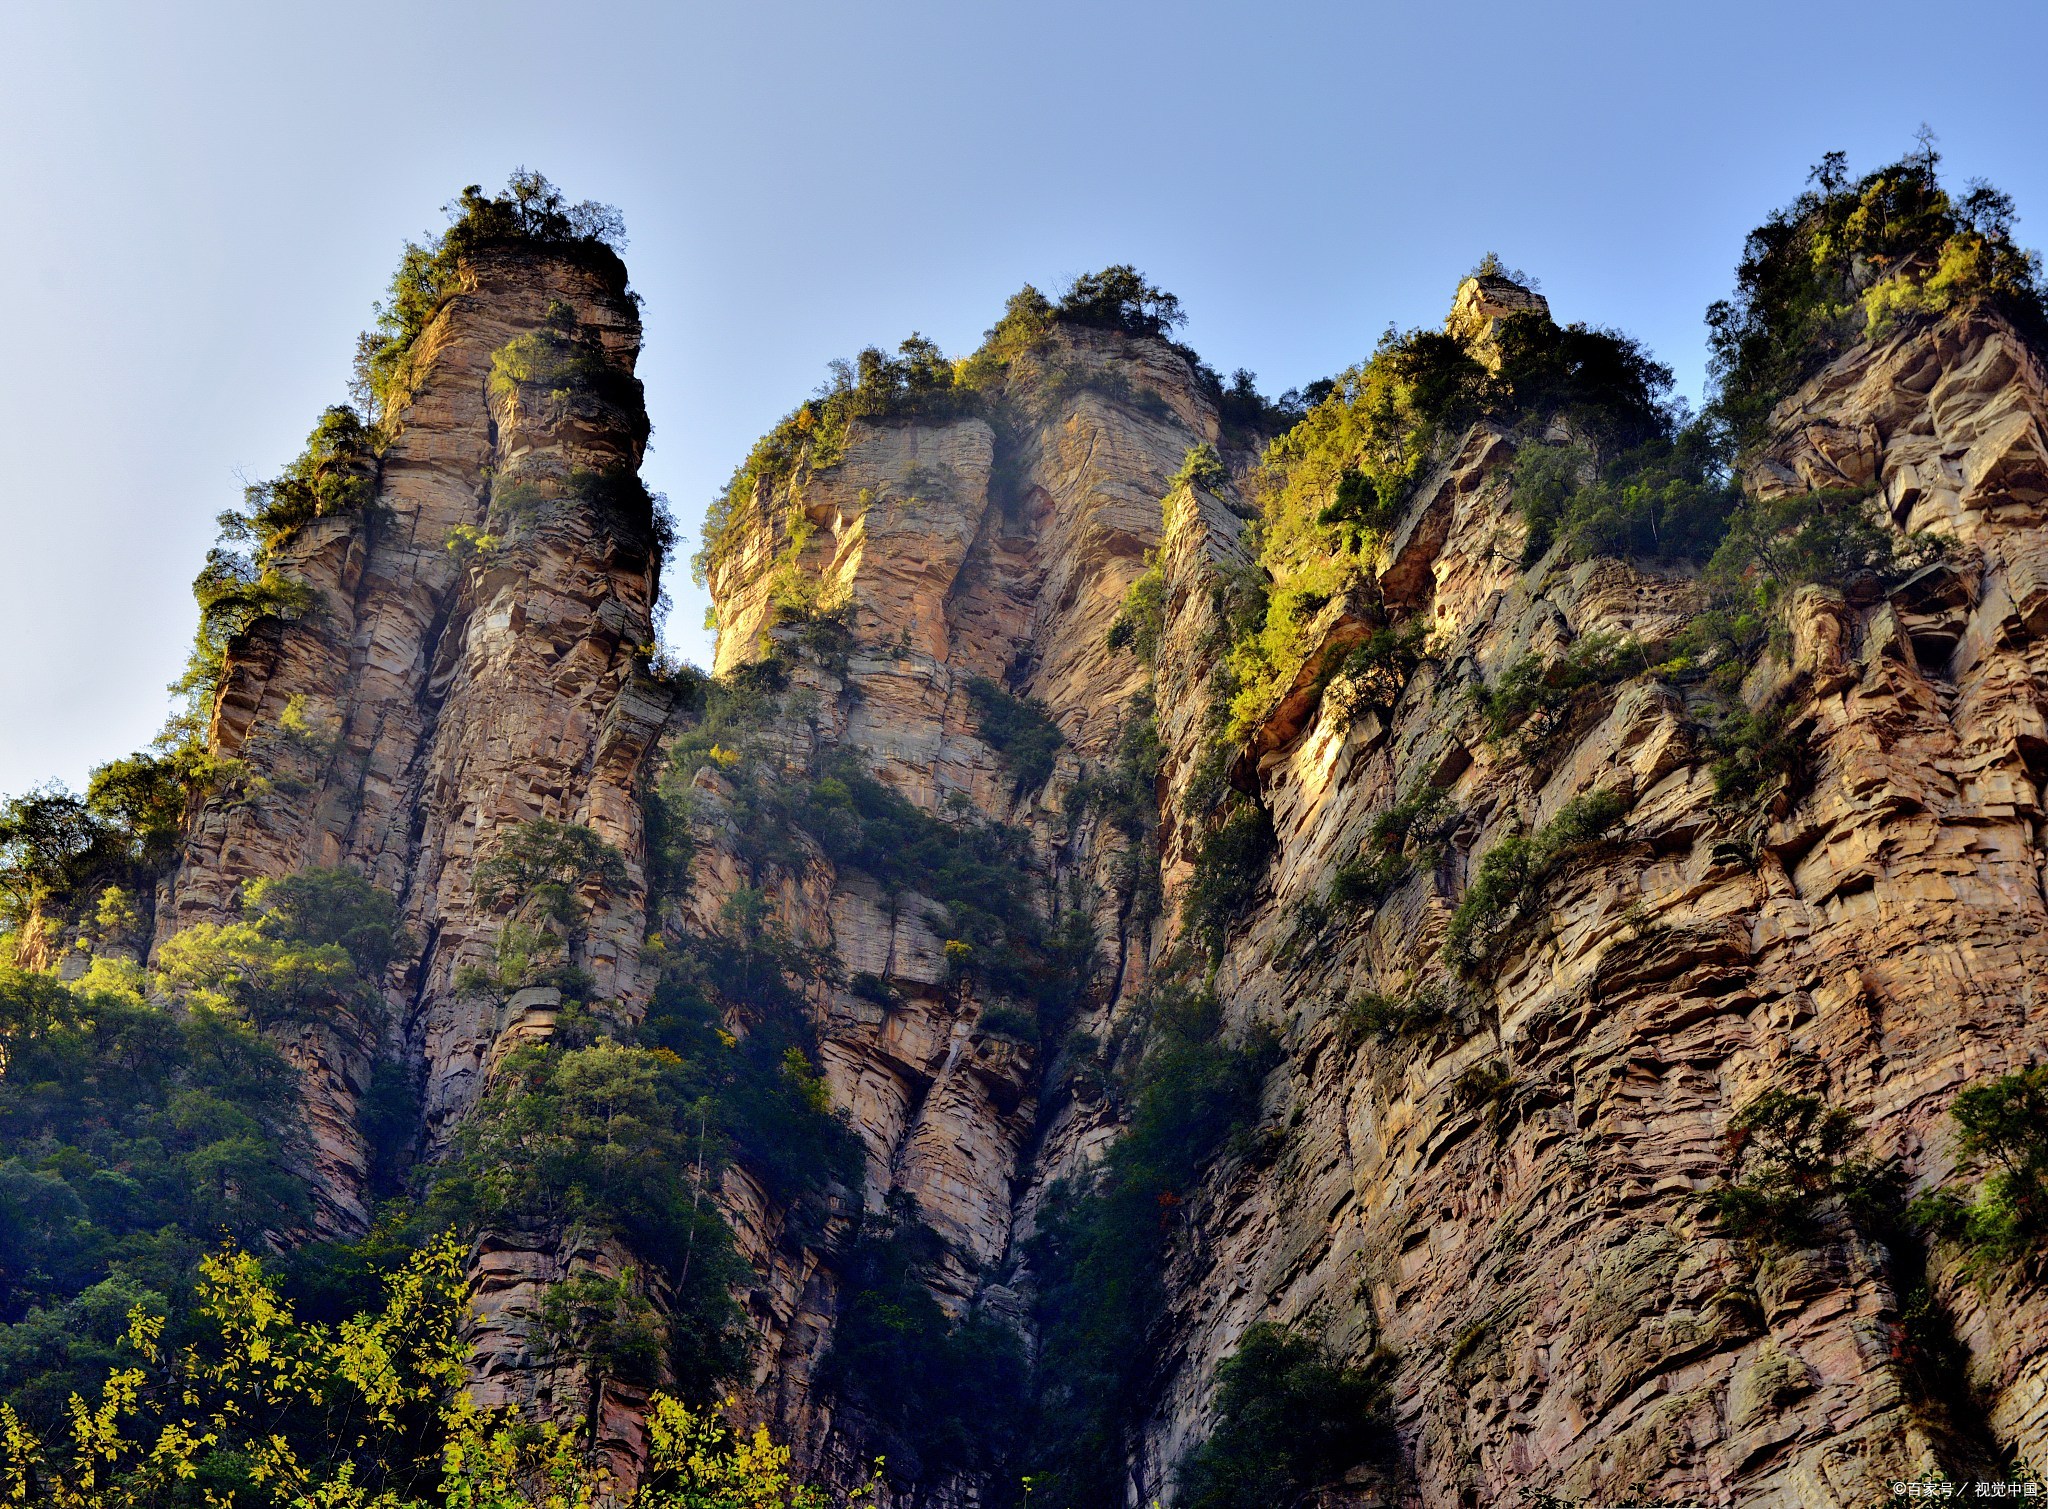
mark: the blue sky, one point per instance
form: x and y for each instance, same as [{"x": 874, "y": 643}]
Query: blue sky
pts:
[{"x": 203, "y": 201}]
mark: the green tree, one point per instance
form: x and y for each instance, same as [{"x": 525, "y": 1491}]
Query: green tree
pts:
[
  {"x": 263, "y": 1408},
  {"x": 1848, "y": 259},
  {"x": 1289, "y": 1421},
  {"x": 606, "y": 1329},
  {"x": 311, "y": 948},
  {"x": 1119, "y": 298},
  {"x": 2004, "y": 1134}
]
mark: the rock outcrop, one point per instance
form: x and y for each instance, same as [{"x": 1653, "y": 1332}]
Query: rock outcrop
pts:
[
  {"x": 1511, "y": 1206},
  {"x": 437, "y": 695},
  {"x": 1507, "y": 1204}
]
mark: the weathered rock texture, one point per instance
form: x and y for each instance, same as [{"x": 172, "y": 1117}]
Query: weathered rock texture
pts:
[
  {"x": 959, "y": 549},
  {"x": 1565, "y": 1318},
  {"x": 438, "y": 696}
]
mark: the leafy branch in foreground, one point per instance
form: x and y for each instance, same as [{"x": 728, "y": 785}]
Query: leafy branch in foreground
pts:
[{"x": 262, "y": 1408}]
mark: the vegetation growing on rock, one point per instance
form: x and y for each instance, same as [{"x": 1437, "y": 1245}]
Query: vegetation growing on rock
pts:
[
  {"x": 1289, "y": 1421},
  {"x": 1853, "y": 259}
]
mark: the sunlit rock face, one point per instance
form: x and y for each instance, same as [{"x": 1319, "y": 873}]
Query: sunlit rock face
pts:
[
  {"x": 439, "y": 695},
  {"x": 1507, "y": 1207},
  {"x": 1562, "y": 1311}
]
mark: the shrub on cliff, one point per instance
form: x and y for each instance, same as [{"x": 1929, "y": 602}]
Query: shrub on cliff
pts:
[
  {"x": 1846, "y": 260},
  {"x": 1289, "y": 1421},
  {"x": 1333, "y": 487},
  {"x": 561, "y": 358},
  {"x": 1513, "y": 873},
  {"x": 1141, "y": 618},
  {"x": 1834, "y": 538},
  {"x": 977, "y": 870},
  {"x": 529, "y": 212},
  {"x": 537, "y": 875},
  {"x": 1789, "y": 1153},
  {"x": 731, "y": 1009},
  {"x": 1229, "y": 865},
  {"x": 943, "y": 1395},
  {"x": 312, "y": 947},
  {"x": 1535, "y": 694},
  {"x": 334, "y": 474},
  {"x": 1125, "y": 790},
  {"x": 606, "y": 1140},
  {"x": 1019, "y": 729},
  {"x": 2003, "y": 1225},
  {"x": 1666, "y": 499}
]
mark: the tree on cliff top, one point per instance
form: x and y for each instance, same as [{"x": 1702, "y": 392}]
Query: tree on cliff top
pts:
[
  {"x": 1119, "y": 298},
  {"x": 1847, "y": 260},
  {"x": 530, "y": 211}
]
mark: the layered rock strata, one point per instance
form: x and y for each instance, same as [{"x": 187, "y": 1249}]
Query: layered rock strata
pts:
[
  {"x": 1510, "y": 1207},
  {"x": 445, "y": 685}
]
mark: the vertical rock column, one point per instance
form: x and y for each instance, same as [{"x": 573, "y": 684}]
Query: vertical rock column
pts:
[
  {"x": 537, "y": 719},
  {"x": 448, "y": 695}
]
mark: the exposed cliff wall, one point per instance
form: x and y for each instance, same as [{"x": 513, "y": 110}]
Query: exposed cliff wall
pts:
[
  {"x": 1508, "y": 1198},
  {"x": 1529, "y": 1242},
  {"x": 1477, "y": 1168},
  {"x": 432, "y": 695},
  {"x": 999, "y": 546}
]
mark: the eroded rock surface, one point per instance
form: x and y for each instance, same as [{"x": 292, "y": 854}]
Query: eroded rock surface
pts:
[
  {"x": 439, "y": 695},
  {"x": 1508, "y": 1204},
  {"x": 1564, "y": 1315}
]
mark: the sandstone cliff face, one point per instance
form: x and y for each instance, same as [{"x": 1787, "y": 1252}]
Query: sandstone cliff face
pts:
[
  {"x": 439, "y": 696},
  {"x": 1563, "y": 1315},
  {"x": 959, "y": 549},
  {"x": 1509, "y": 1206}
]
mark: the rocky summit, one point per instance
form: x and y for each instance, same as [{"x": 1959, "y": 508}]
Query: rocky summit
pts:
[{"x": 1462, "y": 936}]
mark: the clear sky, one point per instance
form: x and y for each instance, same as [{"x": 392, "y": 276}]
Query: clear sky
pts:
[{"x": 202, "y": 201}]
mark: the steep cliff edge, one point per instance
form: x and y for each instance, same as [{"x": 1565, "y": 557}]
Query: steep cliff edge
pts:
[
  {"x": 1508, "y": 1198},
  {"x": 429, "y": 697},
  {"x": 1460, "y": 908},
  {"x": 1487, "y": 1166}
]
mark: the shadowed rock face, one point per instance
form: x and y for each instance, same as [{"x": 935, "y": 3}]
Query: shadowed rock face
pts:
[{"x": 1564, "y": 1316}]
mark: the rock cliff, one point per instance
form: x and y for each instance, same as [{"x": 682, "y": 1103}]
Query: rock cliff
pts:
[
  {"x": 1508, "y": 1205},
  {"x": 472, "y": 658},
  {"x": 1496, "y": 1195}
]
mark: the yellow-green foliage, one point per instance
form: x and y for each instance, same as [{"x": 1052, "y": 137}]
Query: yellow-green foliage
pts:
[
  {"x": 265, "y": 1409},
  {"x": 1142, "y": 618},
  {"x": 529, "y": 212},
  {"x": 1968, "y": 265},
  {"x": 1329, "y": 489},
  {"x": 1851, "y": 259},
  {"x": 310, "y": 949},
  {"x": 563, "y": 361}
]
